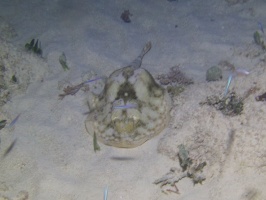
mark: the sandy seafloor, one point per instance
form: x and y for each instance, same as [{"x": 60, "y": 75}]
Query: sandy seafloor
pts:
[{"x": 53, "y": 157}]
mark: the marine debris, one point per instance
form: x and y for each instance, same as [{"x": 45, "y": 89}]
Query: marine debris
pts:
[
  {"x": 125, "y": 16},
  {"x": 231, "y": 104},
  {"x": 34, "y": 47},
  {"x": 174, "y": 76},
  {"x": 190, "y": 169},
  {"x": 175, "y": 81},
  {"x": 105, "y": 194},
  {"x": 234, "y": 73},
  {"x": 261, "y": 27},
  {"x": 12, "y": 123},
  {"x": 228, "y": 84},
  {"x": 72, "y": 90},
  {"x": 63, "y": 61}
]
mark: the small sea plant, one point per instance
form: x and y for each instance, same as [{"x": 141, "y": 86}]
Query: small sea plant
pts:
[
  {"x": 14, "y": 79},
  {"x": 183, "y": 155},
  {"x": 63, "y": 61},
  {"x": 96, "y": 146},
  {"x": 35, "y": 47},
  {"x": 258, "y": 40},
  {"x": 3, "y": 123}
]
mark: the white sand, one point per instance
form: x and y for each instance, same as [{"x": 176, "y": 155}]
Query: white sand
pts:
[{"x": 53, "y": 157}]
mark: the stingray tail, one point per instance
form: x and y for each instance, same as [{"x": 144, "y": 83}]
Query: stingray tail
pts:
[{"x": 137, "y": 62}]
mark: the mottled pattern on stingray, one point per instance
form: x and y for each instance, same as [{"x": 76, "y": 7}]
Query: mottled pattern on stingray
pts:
[{"x": 132, "y": 108}]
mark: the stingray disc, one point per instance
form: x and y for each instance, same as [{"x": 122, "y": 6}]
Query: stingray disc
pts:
[{"x": 132, "y": 108}]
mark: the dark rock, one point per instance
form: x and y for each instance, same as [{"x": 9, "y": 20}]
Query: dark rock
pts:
[{"x": 125, "y": 16}]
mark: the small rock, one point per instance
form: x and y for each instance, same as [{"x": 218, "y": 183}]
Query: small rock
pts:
[
  {"x": 233, "y": 2},
  {"x": 214, "y": 74},
  {"x": 22, "y": 195},
  {"x": 4, "y": 198}
]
